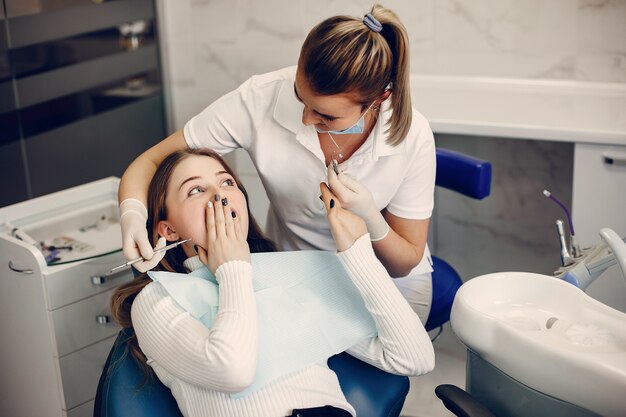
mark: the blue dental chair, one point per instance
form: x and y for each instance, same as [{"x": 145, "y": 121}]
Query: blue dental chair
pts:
[{"x": 372, "y": 392}]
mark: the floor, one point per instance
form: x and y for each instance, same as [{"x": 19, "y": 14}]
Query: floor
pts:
[{"x": 449, "y": 369}]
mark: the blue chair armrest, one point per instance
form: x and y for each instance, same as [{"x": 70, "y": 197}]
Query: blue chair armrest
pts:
[
  {"x": 446, "y": 282},
  {"x": 463, "y": 173},
  {"x": 371, "y": 391}
]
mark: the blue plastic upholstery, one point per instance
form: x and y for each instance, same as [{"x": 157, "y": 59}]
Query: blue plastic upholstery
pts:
[
  {"x": 372, "y": 392},
  {"x": 446, "y": 282},
  {"x": 121, "y": 390},
  {"x": 463, "y": 173}
]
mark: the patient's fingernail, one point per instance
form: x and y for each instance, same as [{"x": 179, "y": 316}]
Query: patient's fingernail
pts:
[
  {"x": 224, "y": 201},
  {"x": 332, "y": 202},
  {"x": 209, "y": 204},
  {"x": 217, "y": 197},
  {"x": 232, "y": 213}
]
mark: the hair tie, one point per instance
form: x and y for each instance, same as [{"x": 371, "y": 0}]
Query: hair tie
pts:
[{"x": 372, "y": 23}]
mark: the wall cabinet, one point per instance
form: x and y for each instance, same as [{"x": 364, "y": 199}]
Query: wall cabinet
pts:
[{"x": 80, "y": 96}]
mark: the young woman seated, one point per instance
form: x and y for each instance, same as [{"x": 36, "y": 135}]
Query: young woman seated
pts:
[{"x": 194, "y": 194}]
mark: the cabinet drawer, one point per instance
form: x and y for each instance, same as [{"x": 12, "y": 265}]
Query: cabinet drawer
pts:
[
  {"x": 80, "y": 372},
  {"x": 71, "y": 284},
  {"x": 77, "y": 325}
]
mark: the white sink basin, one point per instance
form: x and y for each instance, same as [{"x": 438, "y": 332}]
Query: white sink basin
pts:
[{"x": 548, "y": 335}]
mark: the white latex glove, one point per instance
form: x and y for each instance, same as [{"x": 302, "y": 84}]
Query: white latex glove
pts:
[
  {"x": 135, "y": 242},
  {"x": 355, "y": 197}
]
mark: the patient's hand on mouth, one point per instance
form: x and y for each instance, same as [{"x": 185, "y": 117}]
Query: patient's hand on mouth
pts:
[
  {"x": 226, "y": 241},
  {"x": 345, "y": 226}
]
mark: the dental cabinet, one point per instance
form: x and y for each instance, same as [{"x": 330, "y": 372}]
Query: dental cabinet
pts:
[{"x": 55, "y": 255}]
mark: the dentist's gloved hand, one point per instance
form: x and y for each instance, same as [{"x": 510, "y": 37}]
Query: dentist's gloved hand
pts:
[
  {"x": 355, "y": 197},
  {"x": 135, "y": 242}
]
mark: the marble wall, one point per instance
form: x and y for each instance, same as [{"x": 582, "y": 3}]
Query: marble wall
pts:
[
  {"x": 211, "y": 46},
  {"x": 513, "y": 229}
]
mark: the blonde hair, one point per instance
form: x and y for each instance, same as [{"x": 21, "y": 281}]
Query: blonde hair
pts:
[{"x": 343, "y": 55}]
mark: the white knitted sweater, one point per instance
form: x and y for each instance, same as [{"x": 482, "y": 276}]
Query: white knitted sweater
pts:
[{"x": 202, "y": 366}]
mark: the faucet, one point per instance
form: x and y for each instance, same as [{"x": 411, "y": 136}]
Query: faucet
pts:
[
  {"x": 582, "y": 266},
  {"x": 595, "y": 260}
]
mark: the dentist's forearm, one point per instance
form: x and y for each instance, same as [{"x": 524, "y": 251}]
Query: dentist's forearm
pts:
[
  {"x": 137, "y": 177},
  {"x": 403, "y": 246},
  {"x": 397, "y": 255}
]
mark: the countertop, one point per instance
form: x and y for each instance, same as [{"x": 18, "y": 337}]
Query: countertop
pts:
[{"x": 570, "y": 111}]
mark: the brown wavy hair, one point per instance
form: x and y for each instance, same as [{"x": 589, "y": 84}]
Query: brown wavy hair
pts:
[
  {"x": 123, "y": 297},
  {"x": 342, "y": 55}
]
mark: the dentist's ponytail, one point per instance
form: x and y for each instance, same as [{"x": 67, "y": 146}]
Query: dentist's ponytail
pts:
[{"x": 365, "y": 56}]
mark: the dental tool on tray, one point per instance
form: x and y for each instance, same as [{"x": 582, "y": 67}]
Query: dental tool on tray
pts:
[{"x": 163, "y": 249}]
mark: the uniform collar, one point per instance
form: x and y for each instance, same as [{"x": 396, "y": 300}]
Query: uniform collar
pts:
[
  {"x": 288, "y": 110},
  {"x": 288, "y": 113}
]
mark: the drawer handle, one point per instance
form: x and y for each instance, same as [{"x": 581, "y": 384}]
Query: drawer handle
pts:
[
  {"x": 22, "y": 271},
  {"x": 103, "y": 319},
  {"x": 103, "y": 279},
  {"x": 98, "y": 279},
  {"x": 614, "y": 159}
]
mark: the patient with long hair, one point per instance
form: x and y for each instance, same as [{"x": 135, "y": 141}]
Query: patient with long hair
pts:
[{"x": 195, "y": 195}]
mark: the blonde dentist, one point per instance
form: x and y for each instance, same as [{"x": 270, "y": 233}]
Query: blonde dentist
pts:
[{"x": 348, "y": 100}]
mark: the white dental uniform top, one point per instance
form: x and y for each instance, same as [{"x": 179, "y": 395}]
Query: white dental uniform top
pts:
[{"x": 264, "y": 117}]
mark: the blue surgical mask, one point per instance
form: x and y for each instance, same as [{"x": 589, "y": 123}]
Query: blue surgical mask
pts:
[{"x": 358, "y": 127}]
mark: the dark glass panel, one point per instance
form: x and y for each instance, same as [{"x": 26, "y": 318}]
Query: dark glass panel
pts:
[
  {"x": 31, "y": 60},
  {"x": 94, "y": 147},
  {"x": 26, "y": 7},
  {"x": 9, "y": 127},
  {"x": 68, "y": 109},
  {"x": 12, "y": 174},
  {"x": 39, "y": 27}
]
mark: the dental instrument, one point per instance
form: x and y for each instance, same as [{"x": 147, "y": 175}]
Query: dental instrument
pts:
[
  {"x": 574, "y": 247},
  {"x": 21, "y": 235},
  {"x": 566, "y": 258},
  {"x": 163, "y": 249}
]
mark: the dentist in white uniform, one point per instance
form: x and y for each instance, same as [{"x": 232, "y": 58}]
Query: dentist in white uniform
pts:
[{"x": 347, "y": 101}]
